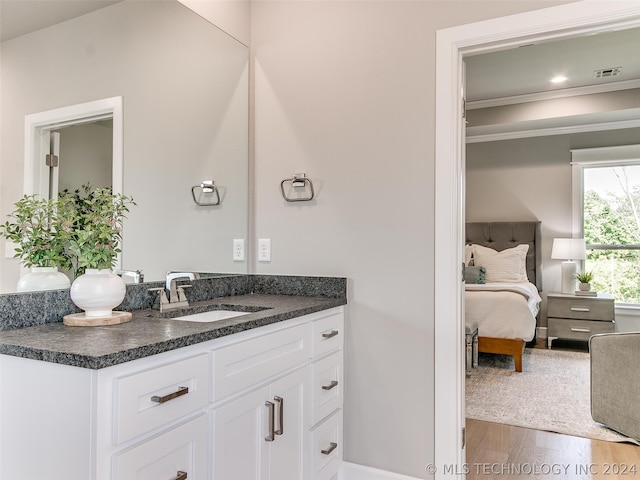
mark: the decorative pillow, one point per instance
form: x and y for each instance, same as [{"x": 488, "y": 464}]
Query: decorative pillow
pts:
[
  {"x": 507, "y": 266},
  {"x": 468, "y": 260},
  {"x": 474, "y": 274}
]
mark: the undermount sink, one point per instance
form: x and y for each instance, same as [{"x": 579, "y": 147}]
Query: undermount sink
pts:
[{"x": 211, "y": 316}]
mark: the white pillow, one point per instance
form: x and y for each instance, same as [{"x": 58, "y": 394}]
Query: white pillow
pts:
[{"x": 507, "y": 266}]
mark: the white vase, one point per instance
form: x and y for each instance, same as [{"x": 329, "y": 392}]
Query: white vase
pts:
[
  {"x": 43, "y": 278},
  {"x": 98, "y": 292}
]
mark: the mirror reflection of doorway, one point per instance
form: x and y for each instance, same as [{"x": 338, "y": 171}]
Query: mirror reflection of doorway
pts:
[
  {"x": 90, "y": 142},
  {"x": 87, "y": 140},
  {"x": 84, "y": 156}
]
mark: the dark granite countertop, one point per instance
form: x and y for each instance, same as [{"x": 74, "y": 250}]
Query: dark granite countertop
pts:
[{"x": 105, "y": 346}]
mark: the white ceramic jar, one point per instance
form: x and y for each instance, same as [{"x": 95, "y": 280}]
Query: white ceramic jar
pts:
[
  {"x": 43, "y": 278},
  {"x": 98, "y": 292}
]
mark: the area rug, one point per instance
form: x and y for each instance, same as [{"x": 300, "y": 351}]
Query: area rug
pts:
[{"x": 551, "y": 393}]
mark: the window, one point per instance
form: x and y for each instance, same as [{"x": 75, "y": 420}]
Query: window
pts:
[{"x": 607, "y": 212}]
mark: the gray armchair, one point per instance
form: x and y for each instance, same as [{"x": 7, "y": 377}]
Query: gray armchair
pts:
[{"x": 615, "y": 386}]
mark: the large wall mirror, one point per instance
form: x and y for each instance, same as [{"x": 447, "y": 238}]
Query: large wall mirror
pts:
[{"x": 184, "y": 89}]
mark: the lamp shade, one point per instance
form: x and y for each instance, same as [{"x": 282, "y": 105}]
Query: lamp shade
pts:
[{"x": 569, "y": 249}]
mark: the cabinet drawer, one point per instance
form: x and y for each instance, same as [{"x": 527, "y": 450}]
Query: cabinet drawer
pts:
[
  {"x": 327, "y": 334},
  {"x": 581, "y": 308},
  {"x": 251, "y": 362},
  {"x": 172, "y": 455},
  {"x": 327, "y": 390},
  {"x": 326, "y": 445},
  {"x": 149, "y": 399},
  {"x": 577, "y": 329}
]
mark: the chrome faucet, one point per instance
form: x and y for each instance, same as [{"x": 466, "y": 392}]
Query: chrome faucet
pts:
[
  {"x": 176, "y": 294},
  {"x": 177, "y": 298},
  {"x": 131, "y": 276}
]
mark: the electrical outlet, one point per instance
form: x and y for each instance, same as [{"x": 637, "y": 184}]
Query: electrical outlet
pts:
[
  {"x": 264, "y": 250},
  {"x": 238, "y": 249}
]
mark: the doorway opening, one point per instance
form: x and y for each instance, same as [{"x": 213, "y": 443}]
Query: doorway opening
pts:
[{"x": 453, "y": 44}]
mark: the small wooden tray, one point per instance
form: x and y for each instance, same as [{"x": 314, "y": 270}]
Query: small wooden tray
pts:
[{"x": 81, "y": 320}]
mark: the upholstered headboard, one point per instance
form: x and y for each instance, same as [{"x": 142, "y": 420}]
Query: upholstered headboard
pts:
[{"x": 501, "y": 235}]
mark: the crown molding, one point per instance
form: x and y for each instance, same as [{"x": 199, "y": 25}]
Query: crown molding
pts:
[
  {"x": 551, "y": 95},
  {"x": 543, "y": 132}
]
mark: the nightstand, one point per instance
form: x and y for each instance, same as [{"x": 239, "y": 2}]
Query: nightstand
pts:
[{"x": 574, "y": 317}]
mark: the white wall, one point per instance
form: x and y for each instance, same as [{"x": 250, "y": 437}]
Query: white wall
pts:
[
  {"x": 344, "y": 91},
  {"x": 231, "y": 16},
  {"x": 184, "y": 85},
  {"x": 530, "y": 179}
]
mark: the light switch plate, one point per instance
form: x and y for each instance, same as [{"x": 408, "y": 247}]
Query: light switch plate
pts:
[
  {"x": 238, "y": 249},
  {"x": 264, "y": 250}
]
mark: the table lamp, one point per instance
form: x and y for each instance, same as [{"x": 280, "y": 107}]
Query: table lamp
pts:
[{"x": 569, "y": 249}]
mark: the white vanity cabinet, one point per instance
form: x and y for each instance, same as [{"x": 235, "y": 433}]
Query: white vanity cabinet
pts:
[
  {"x": 265, "y": 403},
  {"x": 289, "y": 428}
]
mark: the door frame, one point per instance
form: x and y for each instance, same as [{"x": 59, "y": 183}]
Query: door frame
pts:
[
  {"x": 37, "y": 126},
  {"x": 452, "y": 44}
]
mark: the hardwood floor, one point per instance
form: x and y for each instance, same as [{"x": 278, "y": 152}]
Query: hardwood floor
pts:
[
  {"x": 501, "y": 452},
  {"x": 497, "y": 451}
]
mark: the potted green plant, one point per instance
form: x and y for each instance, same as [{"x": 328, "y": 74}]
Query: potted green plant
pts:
[
  {"x": 584, "y": 279},
  {"x": 40, "y": 228},
  {"x": 97, "y": 226},
  {"x": 93, "y": 247}
]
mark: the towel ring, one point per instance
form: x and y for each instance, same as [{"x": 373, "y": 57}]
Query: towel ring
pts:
[
  {"x": 298, "y": 180},
  {"x": 206, "y": 186}
]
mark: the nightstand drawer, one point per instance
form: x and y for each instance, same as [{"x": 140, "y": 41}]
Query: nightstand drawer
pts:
[
  {"x": 577, "y": 329},
  {"x": 581, "y": 308}
]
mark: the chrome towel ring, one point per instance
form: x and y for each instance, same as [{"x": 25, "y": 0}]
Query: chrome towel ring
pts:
[
  {"x": 299, "y": 180},
  {"x": 207, "y": 186}
]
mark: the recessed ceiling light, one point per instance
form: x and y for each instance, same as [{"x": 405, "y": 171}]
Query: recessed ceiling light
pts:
[{"x": 559, "y": 79}]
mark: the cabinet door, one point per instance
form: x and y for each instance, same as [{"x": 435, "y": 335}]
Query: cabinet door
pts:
[
  {"x": 287, "y": 451},
  {"x": 240, "y": 450},
  {"x": 261, "y": 435},
  {"x": 178, "y": 453}
]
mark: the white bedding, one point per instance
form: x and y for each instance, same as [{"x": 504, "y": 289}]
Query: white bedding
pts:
[{"x": 503, "y": 310}]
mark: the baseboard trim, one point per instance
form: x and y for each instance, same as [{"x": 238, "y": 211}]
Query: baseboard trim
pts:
[
  {"x": 353, "y": 471},
  {"x": 541, "y": 332}
]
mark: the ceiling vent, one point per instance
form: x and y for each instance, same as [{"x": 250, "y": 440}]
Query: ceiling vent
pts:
[{"x": 607, "y": 72}]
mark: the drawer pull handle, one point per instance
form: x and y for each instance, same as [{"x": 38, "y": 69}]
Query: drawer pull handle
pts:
[
  {"x": 582, "y": 330},
  {"x": 181, "y": 475},
  {"x": 165, "y": 398},
  {"x": 271, "y": 406},
  {"x": 332, "y": 385},
  {"x": 332, "y": 447},
  {"x": 332, "y": 333},
  {"x": 580, "y": 309},
  {"x": 280, "y": 402}
]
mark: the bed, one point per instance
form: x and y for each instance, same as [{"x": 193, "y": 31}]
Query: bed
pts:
[{"x": 506, "y": 305}]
